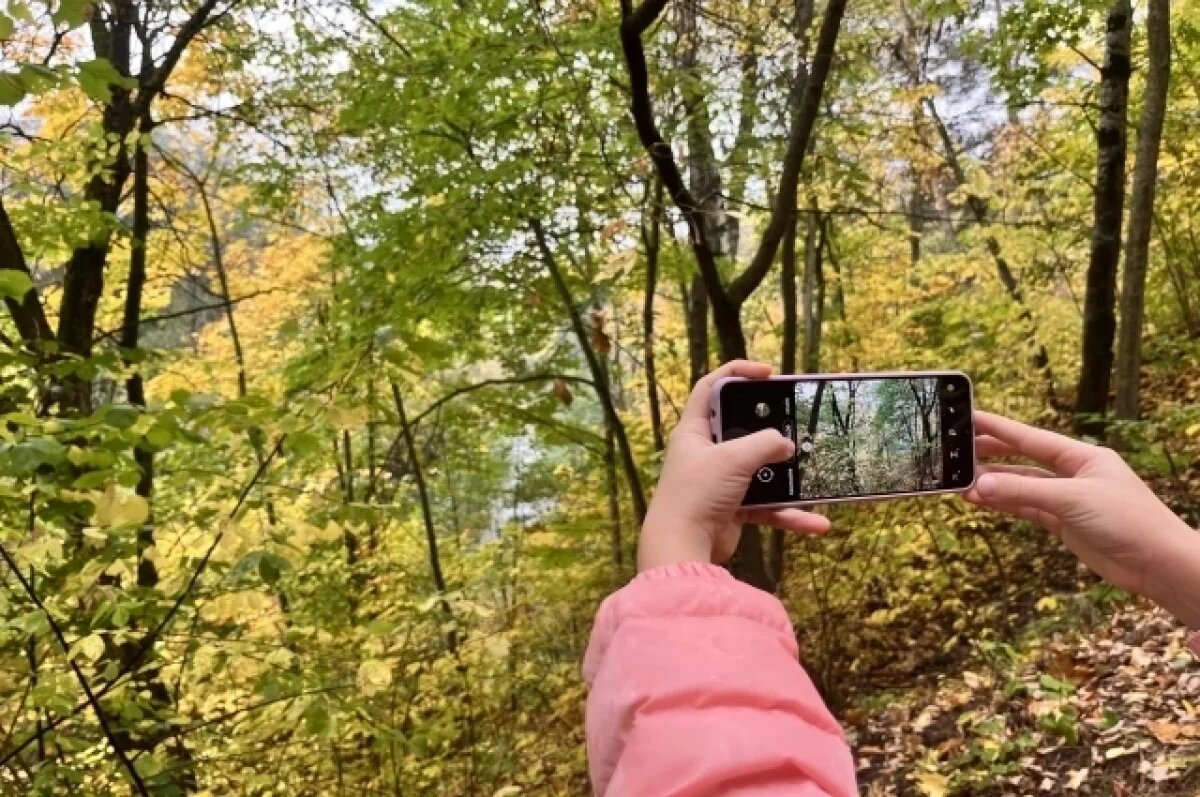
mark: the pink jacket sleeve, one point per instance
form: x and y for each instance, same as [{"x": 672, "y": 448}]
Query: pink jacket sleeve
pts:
[{"x": 695, "y": 688}]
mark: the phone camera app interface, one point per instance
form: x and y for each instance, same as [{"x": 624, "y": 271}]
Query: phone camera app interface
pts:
[{"x": 856, "y": 437}]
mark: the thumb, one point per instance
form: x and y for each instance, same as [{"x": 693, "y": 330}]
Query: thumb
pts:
[
  {"x": 745, "y": 455},
  {"x": 1011, "y": 491}
]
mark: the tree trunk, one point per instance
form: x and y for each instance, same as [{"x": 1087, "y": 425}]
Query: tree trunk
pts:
[
  {"x": 813, "y": 292},
  {"x": 696, "y": 319},
  {"x": 652, "y": 240},
  {"x": 603, "y": 394},
  {"x": 807, "y": 89},
  {"x": 1141, "y": 209},
  {"x": 1099, "y": 314},
  {"x": 787, "y": 362}
]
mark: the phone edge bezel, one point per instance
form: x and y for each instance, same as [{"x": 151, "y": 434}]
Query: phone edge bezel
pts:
[{"x": 714, "y": 419}]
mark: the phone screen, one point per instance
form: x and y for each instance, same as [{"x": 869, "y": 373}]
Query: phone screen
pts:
[{"x": 856, "y": 437}]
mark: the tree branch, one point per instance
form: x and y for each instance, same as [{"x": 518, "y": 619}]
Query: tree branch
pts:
[
  {"x": 28, "y": 314},
  {"x": 809, "y": 87},
  {"x": 92, "y": 700},
  {"x": 633, "y": 25}
]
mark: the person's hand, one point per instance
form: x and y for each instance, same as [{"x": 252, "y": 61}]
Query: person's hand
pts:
[
  {"x": 696, "y": 514},
  {"x": 1088, "y": 496}
]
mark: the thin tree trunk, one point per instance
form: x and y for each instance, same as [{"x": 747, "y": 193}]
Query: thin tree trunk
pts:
[
  {"x": 1099, "y": 312},
  {"x": 431, "y": 541},
  {"x": 603, "y": 394},
  {"x": 652, "y": 240},
  {"x": 1141, "y": 209},
  {"x": 777, "y": 542},
  {"x": 813, "y": 292},
  {"x": 696, "y": 319}
]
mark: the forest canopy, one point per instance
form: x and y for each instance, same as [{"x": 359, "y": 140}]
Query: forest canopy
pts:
[{"x": 341, "y": 343}]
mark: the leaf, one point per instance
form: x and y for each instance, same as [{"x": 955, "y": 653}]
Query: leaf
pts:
[
  {"x": 563, "y": 393},
  {"x": 316, "y": 718},
  {"x": 36, "y": 76},
  {"x": 507, "y": 791},
  {"x": 73, "y": 13},
  {"x": 1192, "y": 430},
  {"x": 120, "y": 507},
  {"x": 271, "y": 566},
  {"x": 1165, "y": 732},
  {"x": 7, "y": 26},
  {"x": 14, "y": 284},
  {"x": 348, "y": 419},
  {"x": 1047, "y": 604},
  {"x": 373, "y": 677},
  {"x": 932, "y": 784},
  {"x": 97, "y": 77},
  {"x": 90, "y": 648},
  {"x": 1076, "y": 779}
]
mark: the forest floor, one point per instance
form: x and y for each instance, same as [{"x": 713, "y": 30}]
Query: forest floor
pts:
[{"x": 1096, "y": 694}]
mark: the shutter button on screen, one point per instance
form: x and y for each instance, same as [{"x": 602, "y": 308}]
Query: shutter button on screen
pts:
[{"x": 765, "y": 475}]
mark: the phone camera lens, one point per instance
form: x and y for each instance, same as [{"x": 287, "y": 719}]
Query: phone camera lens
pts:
[{"x": 762, "y": 410}]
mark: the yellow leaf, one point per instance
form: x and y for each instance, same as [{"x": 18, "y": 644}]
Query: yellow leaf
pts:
[
  {"x": 120, "y": 507},
  {"x": 90, "y": 648},
  {"x": 373, "y": 677},
  {"x": 932, "y": 784},
  {"x": 348, "y": 419},
  {"x": 507, "y": 791},
  {"x": 1047, "y": 604},
  {"x": 1192, "y": 430},
  {"x": 497, "y": 646}
]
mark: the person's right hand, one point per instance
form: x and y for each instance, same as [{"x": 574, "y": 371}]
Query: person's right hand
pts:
[{"x": 1104, "y": 513}]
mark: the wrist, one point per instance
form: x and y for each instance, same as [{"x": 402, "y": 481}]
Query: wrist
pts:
[
  {"x": 664, "y": 544},
  {"x": 1173, "y": 576}
]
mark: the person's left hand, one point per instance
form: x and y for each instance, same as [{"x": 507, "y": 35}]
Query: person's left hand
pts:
[{"x": 696, "y": 514}]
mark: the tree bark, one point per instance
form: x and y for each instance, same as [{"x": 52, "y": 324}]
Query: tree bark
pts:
[
  {"x": 652, "y": 241},
  {"x": 695, "y": 300},
  {"x": 1141, "y": 209},
  {"x": 1099, "y": 312},
  {"x": 813, "y": 292}
]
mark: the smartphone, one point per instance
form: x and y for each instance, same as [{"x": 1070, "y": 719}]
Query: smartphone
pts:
[{"x": 857, "y": 436}]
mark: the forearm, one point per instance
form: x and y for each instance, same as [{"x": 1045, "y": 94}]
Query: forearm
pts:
[
  {"x": 1174, "y": 583},
  {"x": 695, "y": 689}
]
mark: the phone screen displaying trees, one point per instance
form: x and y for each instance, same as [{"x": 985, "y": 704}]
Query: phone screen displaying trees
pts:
[{"x": 867, "y": 437}]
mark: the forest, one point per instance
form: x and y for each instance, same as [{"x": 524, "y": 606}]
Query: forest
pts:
[
  {"x": 869, "y": 437},
  {"x": 341, "y": 343}
]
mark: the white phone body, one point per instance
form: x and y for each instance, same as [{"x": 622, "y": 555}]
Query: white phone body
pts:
[{"x": 715, "y": 420}]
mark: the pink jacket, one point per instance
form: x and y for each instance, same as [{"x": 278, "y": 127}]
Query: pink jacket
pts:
[{"x": 695, "y": 688}]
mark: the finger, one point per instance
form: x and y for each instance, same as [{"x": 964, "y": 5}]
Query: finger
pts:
[
  {"x": 742, "y": 457},
  {"x": 796, "y": 520},
  {"x": 1044, "y": 519},
  {"x": 1020, "y": 470},
  {"x": 1009, "y": 491},
  {"x": 1059, "y": 452},
  {"x": 696, "y": 411},
  {"x": 988, "y": 446}
]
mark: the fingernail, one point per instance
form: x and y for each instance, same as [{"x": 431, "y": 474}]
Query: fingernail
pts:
[{"x": 986, "y": 485}]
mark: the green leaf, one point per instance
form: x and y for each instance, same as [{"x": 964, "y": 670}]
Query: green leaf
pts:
[
  {"x": 35, "y": 74},
  {"x": 73, "y": 13},
  {"x": 12, "y": 88},
  {"x": 7, "y": 26},
  {"x": 316, "y": 718},
  {"x": 97, "y": 78},
  {"x": 90, "y": 648},
  {"x": 271, "y": 567}
]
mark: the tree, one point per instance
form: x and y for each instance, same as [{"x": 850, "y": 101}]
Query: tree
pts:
[
  {"x": 1099, "y": 311},
  {"x": 726, "y": 300},
  {"x": 1141, "y": 210}
]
